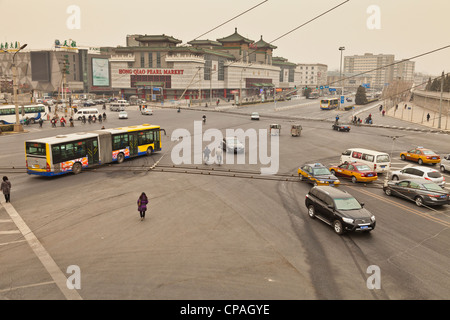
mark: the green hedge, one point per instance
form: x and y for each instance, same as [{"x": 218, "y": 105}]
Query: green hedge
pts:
[{"x": 6, "y": 127}]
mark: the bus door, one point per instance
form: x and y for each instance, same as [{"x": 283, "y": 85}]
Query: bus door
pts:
[
  {"x": 133, "y": 142},
  {"x": 92, "y": 151}
]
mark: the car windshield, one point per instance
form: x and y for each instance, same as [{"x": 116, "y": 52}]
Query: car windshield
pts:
[
  {"x": 363, "y": 167},
  {"x": 347, "y": 204},
  {"x": 321, "y": 171},
  {"x": 383, "y": 158},
  {"x": 432, "y": 187}
]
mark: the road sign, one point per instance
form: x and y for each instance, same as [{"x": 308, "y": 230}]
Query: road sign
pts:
[
  {"x": 321, "y": 87},
  {"x": 366, "y": 85},
  {"x": 342, "y": 99},
  {"x": 332, "y": 89}
]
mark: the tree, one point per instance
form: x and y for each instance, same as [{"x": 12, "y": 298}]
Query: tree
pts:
[
  {"x": 361, "y": 97},
  {"x": 307, "y": 92},
  {"x": 428, "y": 87},
  {"x": 436, "y": 85}
]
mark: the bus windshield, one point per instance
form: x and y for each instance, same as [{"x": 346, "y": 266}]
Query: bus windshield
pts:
[{"x": 35, "y": 148}]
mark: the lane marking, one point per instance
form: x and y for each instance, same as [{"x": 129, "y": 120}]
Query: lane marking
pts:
[
  {"x": 27, "y": 286},
  {"x": 12, "y": 242},
  {"x": 50, "y": 265},
  {"x": 9, "y": 232}
]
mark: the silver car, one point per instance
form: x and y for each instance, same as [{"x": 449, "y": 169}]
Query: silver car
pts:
[
  {"x": 419, "y": 172},
  {"x": 445, "y": 163}
]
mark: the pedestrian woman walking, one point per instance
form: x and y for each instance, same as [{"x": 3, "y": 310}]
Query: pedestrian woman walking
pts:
[
  {"x": 142, "y": 205},
  {"x": 6, "y": 188}
]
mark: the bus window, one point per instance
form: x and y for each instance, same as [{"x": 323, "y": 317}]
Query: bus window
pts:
[{"x": 34, "y": 148}]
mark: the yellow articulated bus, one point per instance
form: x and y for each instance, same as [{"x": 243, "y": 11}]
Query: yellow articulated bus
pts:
[{"x": 73, "y": 152}]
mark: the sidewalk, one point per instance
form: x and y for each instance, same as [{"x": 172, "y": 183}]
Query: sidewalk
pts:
[{"x": 415, "y": 114}]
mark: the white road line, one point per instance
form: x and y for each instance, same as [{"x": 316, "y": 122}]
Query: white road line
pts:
[
  {"x": 45, "y": 258},
  {"x": 12, "y": 242},
  {"x": 27, "y": 286},
  {"x": 5, "y": 220},
  {"x": 9, "y": 232}
]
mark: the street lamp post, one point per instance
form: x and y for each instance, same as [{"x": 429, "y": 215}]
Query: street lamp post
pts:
[
  {"x": 17, "y": 126},
  {"x": 340, "y": 75}
]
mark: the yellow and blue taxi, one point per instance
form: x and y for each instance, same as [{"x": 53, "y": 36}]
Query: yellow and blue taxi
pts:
[
  {"x": 356, "y": 171},
  {"x": 318, "y": 175},
  {"x": 421, "y": 155}
]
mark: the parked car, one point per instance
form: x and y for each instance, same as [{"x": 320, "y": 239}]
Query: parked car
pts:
[
  {"x": 317, "y": 174},
  {"x": 445, "y": 163},
  {"x": 254, "y": 116},
  {"x": 123, "y": 115},
  {"x": 357, "y": 171},
  {"x": 421, "y": 191},
  {"x": 339, "y": 209},
  {"x": 419, "y": 172},
  {"x": 421, "y": 155},
  {"x": 232, "y": 144}
]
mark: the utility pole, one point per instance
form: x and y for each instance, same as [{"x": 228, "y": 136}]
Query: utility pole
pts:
[
  {"x": 199, "y": 87},
  {"x": 342, "y": 82},
  {"x": 440, "y": 102}
]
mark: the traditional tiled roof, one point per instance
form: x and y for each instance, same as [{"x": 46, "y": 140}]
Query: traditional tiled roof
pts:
[
  {"x": 261, "y": 44},
  {"x": 235, "y": 38},
  {"x": 157, "y": 38},
  {"x": 204, "y": 43}
]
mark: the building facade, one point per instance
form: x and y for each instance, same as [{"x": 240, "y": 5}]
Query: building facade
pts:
[
  {"x": 57, "y": 71},
  {"x": 373, "y": 66},
  {"x": 157, "y": 67}
]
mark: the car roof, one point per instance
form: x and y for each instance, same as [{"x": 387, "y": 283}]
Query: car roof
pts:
[
  {"x": 355, "y": 163},
  {"x": 424, "y": 169},
  {"x": 418, "y": 180},
  {"x": 333, "y": 191},
  {"x": 314, "y": 165}
]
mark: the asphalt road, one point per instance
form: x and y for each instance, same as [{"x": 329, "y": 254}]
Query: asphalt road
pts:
[{"x": 214, "y": 236}]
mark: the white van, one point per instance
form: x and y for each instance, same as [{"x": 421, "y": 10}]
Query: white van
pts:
[
  {"x": 379, "y": 162},
  {"x": 86, "y": 112},
  {"x": 118, "y": 105}
]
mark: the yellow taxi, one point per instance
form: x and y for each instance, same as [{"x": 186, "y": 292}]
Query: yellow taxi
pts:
[
  {"x": 318, "y": 175},
  {"x": 421, "y": 155},
  {"x": 356, "y": 171}
]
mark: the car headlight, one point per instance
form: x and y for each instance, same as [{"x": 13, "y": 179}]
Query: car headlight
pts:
[
  {"x": 372, "y": 218},
  {"x": 347, "y": 220}
]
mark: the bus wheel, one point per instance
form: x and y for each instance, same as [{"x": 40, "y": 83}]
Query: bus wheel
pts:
[
  {"x": 149, "y": 151},
  {"x": 120, "y": 157},
  {"x": 76, "y": 168}
]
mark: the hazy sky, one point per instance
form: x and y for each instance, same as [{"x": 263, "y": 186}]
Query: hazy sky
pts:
[{"x": 405, "y": 28}]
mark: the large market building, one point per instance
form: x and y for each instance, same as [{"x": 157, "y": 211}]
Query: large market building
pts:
[{"x": 156, "y": 67}]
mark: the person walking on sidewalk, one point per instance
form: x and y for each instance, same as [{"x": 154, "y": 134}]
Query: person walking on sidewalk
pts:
[
  {"x": 6, "y": 188},
  {"x": 219, "y": 153},
  {"x": 142, "y": 205},
  {"x": 206, "y": 154}
]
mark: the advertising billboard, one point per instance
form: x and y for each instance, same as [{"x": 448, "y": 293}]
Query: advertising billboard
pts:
[{"x": 100, "y": 72}]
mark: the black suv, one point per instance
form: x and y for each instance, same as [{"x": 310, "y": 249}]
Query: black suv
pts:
[{"x": 339, "y": 209}]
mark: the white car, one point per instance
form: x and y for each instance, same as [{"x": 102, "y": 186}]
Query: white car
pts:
[
  {"x": 419, "y": 172},
  {"x": 254, "y": 116},
  {"x": 445, "y": 163},
  {"x": 232, "y": 144},
  {"x": 123, "y": 115},
  {"x": 146, "y": 111}
]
